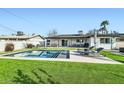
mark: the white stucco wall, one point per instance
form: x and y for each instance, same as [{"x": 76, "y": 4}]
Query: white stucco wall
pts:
[
  {"x": 17, "y": 44},
  {"x": 35, "y": 43},
  {"x": 105, "y": 46},
  {"x": 35, "y": 40},
  {"x": 120, "y": 44},
  {"x": 2, "y": 46}
]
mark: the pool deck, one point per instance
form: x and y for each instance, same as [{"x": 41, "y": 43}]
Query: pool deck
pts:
[
  {"x": 74, "y": 57},
  {"x": 97, "y": 59}
]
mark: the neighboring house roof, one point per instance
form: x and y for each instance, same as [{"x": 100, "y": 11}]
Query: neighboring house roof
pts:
[
  {"x": 25, "y": 37},
  {"x": 36, "y": 36},
  {"x": 14, "y": 37}
]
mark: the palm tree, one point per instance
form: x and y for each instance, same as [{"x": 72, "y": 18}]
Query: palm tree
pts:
[{"x": 104, "y": 24}]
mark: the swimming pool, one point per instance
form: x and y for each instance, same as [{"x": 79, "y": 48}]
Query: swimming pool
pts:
[{"x": 42, "y": 54}]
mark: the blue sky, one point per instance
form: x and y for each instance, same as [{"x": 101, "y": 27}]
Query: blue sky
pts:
[{"x": 65, "y": 21}]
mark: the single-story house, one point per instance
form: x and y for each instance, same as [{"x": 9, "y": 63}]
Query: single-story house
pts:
[
  {"x": 106, "y": 40},
  {"x": 20, "y": 42}
]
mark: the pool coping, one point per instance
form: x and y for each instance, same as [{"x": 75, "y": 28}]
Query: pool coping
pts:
[
  {"x": 55, "y": 59},
  {"x": 71, "y": 59}
]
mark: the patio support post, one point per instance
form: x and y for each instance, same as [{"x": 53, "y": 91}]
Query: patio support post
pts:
[
  {"x": 95, "y": 37},
  {"x": 111, "y": 40},
  {"x": 58, "y": 43}
]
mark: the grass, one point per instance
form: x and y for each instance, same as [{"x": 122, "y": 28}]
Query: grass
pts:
[
  {"x": 116, "y": 57},
  {"x": 24, "y": 71}
]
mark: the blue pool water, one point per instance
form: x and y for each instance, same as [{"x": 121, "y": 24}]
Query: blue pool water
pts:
[{"x": 42, "y": 54}]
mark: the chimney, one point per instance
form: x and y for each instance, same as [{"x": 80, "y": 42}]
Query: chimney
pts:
[{"x": 80, "y": 32}]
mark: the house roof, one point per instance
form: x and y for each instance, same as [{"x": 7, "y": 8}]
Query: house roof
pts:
[
  {"x": 67, "y": 36},
  {"x": 19, "y": 37},
  {"x": 108, "y": 35},
  {"x": 121, "y": 34},
  {"x": 14, "y": 37},
  {"x": 36, "y": 36},
  {"x": 80, "y": 36}
]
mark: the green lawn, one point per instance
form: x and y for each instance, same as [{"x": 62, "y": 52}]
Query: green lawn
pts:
[
  {"x": 113, "y": 56},
  {"x": 24, "y": 71}
]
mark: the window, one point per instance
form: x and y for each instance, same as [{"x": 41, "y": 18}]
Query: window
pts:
[
  {"x": 77, "y": 40},
  {"x": 102, "y": 40},
  {"x": 105, "y": 40},
  {"x": 48, "y": 42}
]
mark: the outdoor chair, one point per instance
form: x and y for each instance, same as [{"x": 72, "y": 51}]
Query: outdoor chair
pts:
[
  {"x": 91, "y": 52},
  {"x": 86, "y": 49},
  {"x": 96, "y": 52},
  {"x": 86, "y": 45},
  {"x": 90, "y": 48}
]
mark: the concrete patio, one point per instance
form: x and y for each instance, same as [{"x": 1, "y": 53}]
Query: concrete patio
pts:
[
  {"x": 98, "y": 59},
  {"x": 74, "y": 57}
]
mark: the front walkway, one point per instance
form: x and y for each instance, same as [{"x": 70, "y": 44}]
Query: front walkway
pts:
[{"x": 74, "y": 57}]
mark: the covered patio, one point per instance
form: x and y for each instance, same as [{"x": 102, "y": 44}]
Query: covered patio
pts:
[{"x": 68, "y": 41}]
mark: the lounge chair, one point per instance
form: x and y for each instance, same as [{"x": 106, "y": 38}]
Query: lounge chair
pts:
[
  {"x": 91, "y": 52},
  {"x": 86, "y": 49},
  {"x": 90, "y": 48},
  {"x": 97, "y": 51}
]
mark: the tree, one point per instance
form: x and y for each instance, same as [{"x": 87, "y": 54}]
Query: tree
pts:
[
  {"x": 104, "y": 24},
  {"x": 90, "y": 32},
  {"x": 33, "y": 34},
  {"x": 115, "y": 33},
  {"x": 53, "y": 33}
]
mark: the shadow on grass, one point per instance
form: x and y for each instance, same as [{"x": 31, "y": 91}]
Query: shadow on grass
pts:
[
  {"x": 117, "y": 75},
  {"x": 119, "y": 61},
  {"x": 39, "y": 74}
]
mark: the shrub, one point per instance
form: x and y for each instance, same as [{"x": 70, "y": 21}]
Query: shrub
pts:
[
  {"x": 9, "y": 47},
  {"x": 30, "y": 45}
]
